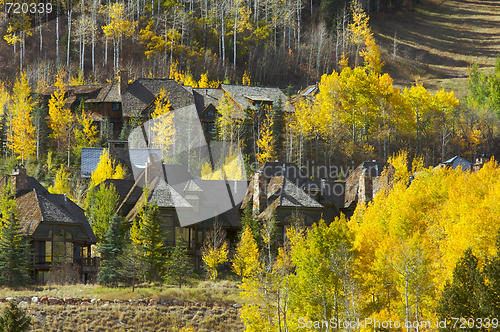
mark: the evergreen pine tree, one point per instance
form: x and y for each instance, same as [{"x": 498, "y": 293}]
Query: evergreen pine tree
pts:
[
  {"x": 14, "y": 319},
  {"x": 106, "y": 131},
  {"x": 146, "y": 232},
  {"x": 178, "y": 267},
  {"x": 14, "y": 245},
  {"x": 134, "y": 122},
  {"x": 110, "y": 250},
  {"x": 492, "y": 274},
  {"x": 465, "y": 296},
  {"x": 131, "y": 264}
]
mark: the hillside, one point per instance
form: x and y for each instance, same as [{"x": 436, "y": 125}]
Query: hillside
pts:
[{"x": 440, "y": 39}]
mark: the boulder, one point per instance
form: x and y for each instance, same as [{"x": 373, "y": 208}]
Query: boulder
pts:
[
  {"x": 35, "y": 299},
  {"x": 54, "y": 300}
]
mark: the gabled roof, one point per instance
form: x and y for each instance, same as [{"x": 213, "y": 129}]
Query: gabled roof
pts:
[
  {"x": 143, "y": 91},
  {"x": 163, "y": 195},
  {"x": 457, "y": 161},
  {"x": 283, "y": 193},
  {"x": 36, "y": 205},
  {"x": 109, "y": 93},
  {"x": 191, "y": 187},
  {"x": 224, "y": 196},
  {"x": 203, "y": 98},
  {"x": 245, "y": 95}
]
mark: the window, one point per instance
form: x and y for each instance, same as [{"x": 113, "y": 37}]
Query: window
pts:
[
  {"x": 100, "y": 105},
  {"x": 209, "y": 113},
  {"x": 115, "y": 107},
  {"x": 168, "y": 225},
  {"x": 208, "y": 127},
  {"x": 57, "y": 250}
]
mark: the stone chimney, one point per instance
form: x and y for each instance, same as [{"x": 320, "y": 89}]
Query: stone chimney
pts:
[
  {"x": 480, "y": 161},
  {"x": 259, "y": 192},
  {"x": 123, "y": 80},
  {"x": 365, "y": 188},
  {"x": 19, "y": 178},
  {"x": 153, "y": 168}
]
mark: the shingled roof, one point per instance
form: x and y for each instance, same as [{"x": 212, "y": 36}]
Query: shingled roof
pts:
[
  {"x": 163, "y": 195},
  {"x": 143, "y": 91},
  {"x": 281, "y": 192},
  {"x": 244, "y": 95},
  {"x": 36, "y": 205},
  {"x": 203, "y": 98}
]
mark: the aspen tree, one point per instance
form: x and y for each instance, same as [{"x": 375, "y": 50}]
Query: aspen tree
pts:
[{"x": 21, "y": 139}]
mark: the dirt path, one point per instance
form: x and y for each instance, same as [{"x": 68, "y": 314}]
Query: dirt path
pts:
[{"x": 448, "y": 35}]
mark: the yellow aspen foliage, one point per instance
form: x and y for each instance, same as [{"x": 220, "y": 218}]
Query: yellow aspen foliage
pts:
[
  {"x": 246, "y": 78},
  {"x": 360, "y": 29},
  {"x": 203, "y": 82},
  {"x": 214, "y": 84},
  {"x": 189, "y": 80},
  {"x": 234, "y": 168},
  {"x": 175, "y": 73},
  {"x": 246, "y": 259},
  {"x": 213, "y": 257},
  {"x": 224, "y": 120},
  {"x": 77, "y": 80},
  {"x": 409, "y": 238},
  {"x": 187, "y": 329},
  {"x": 61, "y": 182},
  {"x": 107, "y": 168},
  {"x": 266, "y": 141},
  {"x": 60, "y": 118},
  {"x": 86, "y": 135},
  {"x": 163, "y": 126},
  {"x": 22, "y": 137},
  {"x": 4, "y": 98},
  {"x": 118, "y": 23}
]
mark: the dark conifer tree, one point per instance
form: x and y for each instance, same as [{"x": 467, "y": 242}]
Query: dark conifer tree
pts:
[
  {"x": 111, "y": 249},
  {"x": 14, "y": 245},
  {"x": 14, "y": 319},
  {"x": 465, "y": 295},
  {"x": 178, "y": 267}
]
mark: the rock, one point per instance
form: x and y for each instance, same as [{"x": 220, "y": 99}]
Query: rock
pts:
[
  {"x": 54, "y": 300},
  {"x": 9, "y": 299},
  {"x": 117, "y": 301},
  {"x": 35, "y": 299},
  {"x": 44, "y": 299},
  {"x": 68, "y": 300},
  {"x": 86, "y": 299},
  {"x": 23, "y": 304},
  {"x": 237, "y": 305},
  {"x": 105, "y": 305}
]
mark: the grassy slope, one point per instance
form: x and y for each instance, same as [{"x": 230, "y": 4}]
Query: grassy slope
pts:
[
  {"x": 119, "y": 317},
  {"x": 439, "y": 40}
]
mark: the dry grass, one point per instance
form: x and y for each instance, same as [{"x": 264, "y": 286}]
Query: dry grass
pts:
[
  {"x": 123, "y": 317},
  {"x": 439, "y": 40},
  {"x": 220, "y": 292},
  {"x": 110, "y": 318}
]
